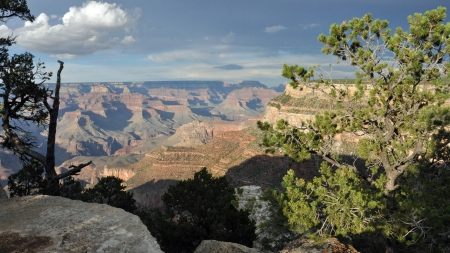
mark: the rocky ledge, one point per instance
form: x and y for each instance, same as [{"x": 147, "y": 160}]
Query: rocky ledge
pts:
[{"x": 55, "y": 224}]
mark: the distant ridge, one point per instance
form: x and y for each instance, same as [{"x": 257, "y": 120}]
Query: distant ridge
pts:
[{"x": 177, "y": 84}]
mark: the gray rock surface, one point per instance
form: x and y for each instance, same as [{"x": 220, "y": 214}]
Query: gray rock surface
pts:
[
  {"x": 332, "y": 245},
  {"x": 271, "y": 237},
  {"x": 250, "y": 199},
  {"x": 3, "y": 194},
  {"x": 56, "y": 224},
  {"x": 212, "y": 246}
]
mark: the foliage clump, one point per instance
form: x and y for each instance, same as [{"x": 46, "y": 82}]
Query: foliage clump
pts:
[
  {"x": 199, "y": 209},
  {"x": 27, "y": 181},
  {"x": 109, "y": 190},
  {"x": 392, "y": 188}
]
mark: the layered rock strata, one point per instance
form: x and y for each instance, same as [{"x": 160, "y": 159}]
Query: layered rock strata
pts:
[{"x": 234, "y": 154}]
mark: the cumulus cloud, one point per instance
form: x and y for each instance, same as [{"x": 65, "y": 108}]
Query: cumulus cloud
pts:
[
  {"x": 128, "y": 40},
  {"x": 275, "y": 29},
  {"x": 84, "y": 30},
  {"x": 229, "y": 38},
  {"x": 4, "y": 31}
]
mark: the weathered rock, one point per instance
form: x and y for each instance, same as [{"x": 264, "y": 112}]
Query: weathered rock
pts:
[
  {"x": 332, "y": 245},
  {"x": 249, "y": 198},
  {"x": 3, "y": 194},
  {"x": 212, "y": 246},
  {"x": 271, "y": 236},
  {"x": 57, "y": 224}
]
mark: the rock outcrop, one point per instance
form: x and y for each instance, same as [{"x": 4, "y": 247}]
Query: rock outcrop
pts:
[
  {"x": 296, "y": 106},
  {"x": 198, "y": 133},
  {"x": 249, "y": 197},
  {"x": 332, "y": 245},
  {"x": 271, "y": 233},
  {"x": 101, "y": 167},
  {"x": 212, "y": 246},
  {"x": 3, "y": 194},
  {"x": 55, "y": 224}
]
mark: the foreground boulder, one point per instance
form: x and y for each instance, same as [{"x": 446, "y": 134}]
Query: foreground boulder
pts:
[
  {"x": 331, "y": 245},
  {"x": 56, "y": 224},
  {"x": 212, "y": 246}
]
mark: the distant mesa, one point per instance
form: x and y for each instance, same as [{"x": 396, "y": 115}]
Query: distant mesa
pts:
[
  {"x": 229, "y": 67},
  {"x": 101, "y": 88},
  {"x": 279, "y": 88},
  {"x": 126, "y": 91}
]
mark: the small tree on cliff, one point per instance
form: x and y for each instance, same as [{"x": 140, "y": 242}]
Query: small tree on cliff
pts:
[
  {"x": 109, "y": 190},
  {"x": 199, "y": 209},
  {"x": 396, "y": 108},
  {"x": 27, "y": 181},
  {"x": 25, "y": 101}
]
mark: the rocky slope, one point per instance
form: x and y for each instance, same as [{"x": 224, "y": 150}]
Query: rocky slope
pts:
[{"x": 234, "y": 154}]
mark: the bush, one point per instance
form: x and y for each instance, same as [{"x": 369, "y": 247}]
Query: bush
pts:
[
  {"x": 27, "y": 181},
  {"x": 199, "y": 209},
  {"x": 110, "y": 191}
]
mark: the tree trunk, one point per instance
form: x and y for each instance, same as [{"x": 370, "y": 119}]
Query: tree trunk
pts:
[
  {"x": 390, "y": 192},
  {"x": 53, "y": 181}
]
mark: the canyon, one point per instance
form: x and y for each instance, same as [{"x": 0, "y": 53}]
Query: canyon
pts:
[
  {"x": 117, "y": 123},
  {"x": 153, "y": 134}
]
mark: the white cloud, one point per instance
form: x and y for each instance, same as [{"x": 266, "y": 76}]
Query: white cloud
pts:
[
  {"x": 274, "y": 29},
  {"x": 53, "y": 16},
  {"x": 307, "y": 26},
  {"x": 4, "y": 31},
  {"x": 229, "y": 38},
  {"x": 84, "y": 30},
  {"x": 128, "y": 40}
]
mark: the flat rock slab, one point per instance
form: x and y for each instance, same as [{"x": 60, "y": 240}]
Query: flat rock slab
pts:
[
  {"x": 56, "y": 224},
  {"x": 331, "y": 245},
  {"x": 212, "y": 246}
]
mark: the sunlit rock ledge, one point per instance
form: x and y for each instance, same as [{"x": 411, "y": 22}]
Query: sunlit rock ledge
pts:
[{"x": 56, "y": 224}]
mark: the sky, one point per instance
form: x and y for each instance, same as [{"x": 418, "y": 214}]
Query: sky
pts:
[{"x": 162, "y": 40}]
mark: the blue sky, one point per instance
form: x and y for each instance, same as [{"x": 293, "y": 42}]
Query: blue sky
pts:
[{"x": 227, "y": 40}]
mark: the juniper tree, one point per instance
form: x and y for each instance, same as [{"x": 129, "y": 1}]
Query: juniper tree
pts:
[
  {"x": 27, "y": 181},
  {"x": 396, "y": 109},
  {"x": 25, "y": 101},
  {"x": 199, "y": 209},
  {"x": 109, "y": 190}
]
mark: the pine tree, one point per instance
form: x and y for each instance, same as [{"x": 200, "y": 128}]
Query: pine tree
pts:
[{"x": 396, "y": 109}]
